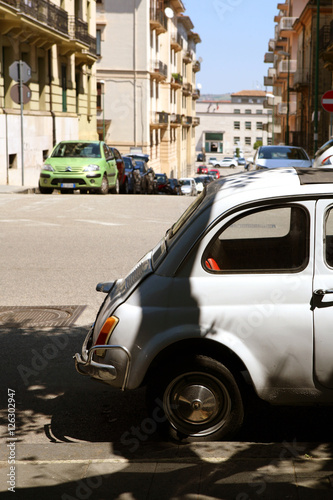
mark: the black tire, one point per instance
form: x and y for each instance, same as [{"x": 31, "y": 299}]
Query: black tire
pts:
[
  {"x": 104, "y": 188},
  {"x": 125, "y": 189},
  {"x": 45, "y": 190},
  {"x": 200, "y": 398}
]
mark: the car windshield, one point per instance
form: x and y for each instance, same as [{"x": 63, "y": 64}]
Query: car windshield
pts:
[
  {"x": 282, "y": 153},
  {"x": 184, "y": 182},
  {"x": 77, "y": 150}
]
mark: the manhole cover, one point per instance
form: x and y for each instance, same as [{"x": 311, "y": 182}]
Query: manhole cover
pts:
[{"x": 39, "y": 316}]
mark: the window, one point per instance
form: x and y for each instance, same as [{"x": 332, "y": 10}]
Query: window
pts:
[
  {"x": 259, "y": 125},
  {"x": 248, "y": 141},
  {"x": 237, "y": 125},
  {"x": 98, "y": 42},
  {"x": 64, "y": 87},
  {"x": 266, "y": 240},
  {"x": 99, "y": 103},
  {"x": 248, "y": 125},
  {"x": 259, "y": 139},
  {"x": 259, "y": 111},
  {"x": 236, "y": 141},
  {"x": 329, "y": 238},
  {"x": 248, "y": 111},
  {"x": 269, "y": 141},
  {"x": 237, "y": 111}
]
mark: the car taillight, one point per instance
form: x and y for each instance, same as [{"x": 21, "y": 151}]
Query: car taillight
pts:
[{"x": 105, "y": 333}]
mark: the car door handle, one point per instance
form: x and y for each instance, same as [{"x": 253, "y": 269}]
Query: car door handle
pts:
[{"x": 321, "y": 293}]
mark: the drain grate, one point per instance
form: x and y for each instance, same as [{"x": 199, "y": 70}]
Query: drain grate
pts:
[{"x": 26, "y": 316}]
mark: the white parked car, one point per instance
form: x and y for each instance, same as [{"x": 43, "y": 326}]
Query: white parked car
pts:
[
  {"x": 214, "y": 161},
  {"x": 199, "y": 184},
  {"x": 267, "y": 157},
  {"x": 236, "y": 299},
  {"x": 228, "y": 161},
  {"x": 188, "y": 186},
  {"x": 324, "y": 155}
]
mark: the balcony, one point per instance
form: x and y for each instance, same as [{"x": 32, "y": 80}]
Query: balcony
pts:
[
  {"x": 286, "y": 66},
  {"x": 282, "y": 108},
  {"x": 159, "y": 119},
  {"x": 271, "y": 45},
  {"x": 43, "y": 11},
  {"x": 176, "y": 80},
  {"x": 196, "y": 94},
  {"x": 283, "y": 6},
  {"x": 269, "y": 57},
  {"x": 187, "y": 89},
  {"x": 196, "y": 66},
  {"x": 187, "y": 57},
  {"x": 158, "y": 70},
  {"x": 175, "y": 120},
  {"x": 176, "y": 42},
  {"x": 195, "y": 121},
  {"x": 187, "y": 121},
  {"x": 268, "y": 81},
  {"x": 286, "y": 26},
  {"x": 158, "y": 20},
  {"x": 301, "y": 78}
]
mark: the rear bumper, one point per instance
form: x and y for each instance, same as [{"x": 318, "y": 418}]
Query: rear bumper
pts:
[{"x": 85, "y": 365}]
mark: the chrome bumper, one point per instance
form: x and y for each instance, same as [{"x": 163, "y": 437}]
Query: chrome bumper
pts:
[{"x": 85, "y": 365}]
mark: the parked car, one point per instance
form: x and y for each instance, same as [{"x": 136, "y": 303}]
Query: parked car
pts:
[
  {"x": 241, "y": 162},
  {"x": 234, "y": 303},
  {"x": 202, "y": 170},
  {"x": 123, "y": 188},
  {"x": 188, "y": 186},
  {"x": 214, "y": 161},
  {"x": 162, "y": 183},
  {"x": 199, "y": 183},
  {"x": 175, "y": 187},
  {"x": 201, "y": 157},
  {"x": 228, "y": 161},
  {"x": 280, "y": 156},
  {"x": 147, "y": 175},
  {"x": 324, "y": 155},
  {"x": 84, "y": 165},
  {"x": 214, "y": 173},
  {"x": 132, "y": 175}
]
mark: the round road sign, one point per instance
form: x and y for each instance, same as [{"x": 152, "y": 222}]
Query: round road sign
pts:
[
  {"x": 15, "y": 93},
  {"x": 327, "y": 101}
]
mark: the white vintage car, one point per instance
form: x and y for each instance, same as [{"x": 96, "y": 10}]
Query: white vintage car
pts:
[{"x": 237, "y": 296}]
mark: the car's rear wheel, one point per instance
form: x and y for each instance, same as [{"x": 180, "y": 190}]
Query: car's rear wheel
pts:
[
  {"x": 125, "y": 189},
  {"x": 200, "y": 399}
]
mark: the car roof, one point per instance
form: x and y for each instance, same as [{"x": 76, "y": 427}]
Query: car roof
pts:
[{"x": 275, "y": 182}]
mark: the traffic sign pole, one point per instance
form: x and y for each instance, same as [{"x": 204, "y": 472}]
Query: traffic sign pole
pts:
[{"x": 21, "y": 101}]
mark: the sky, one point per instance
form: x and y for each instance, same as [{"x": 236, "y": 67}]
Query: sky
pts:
[{"x": 235, "y": 35}]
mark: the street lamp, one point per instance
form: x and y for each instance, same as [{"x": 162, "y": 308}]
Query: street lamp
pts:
[
  {"x": 102, "y": 82},
  {"x": 272, "y": 96},
  {"x": 287, "y": 55}
]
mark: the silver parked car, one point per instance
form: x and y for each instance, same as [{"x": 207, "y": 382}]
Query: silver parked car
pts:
[
  {"x": 236, "y": 299},
  {"x": 324, "y": 155},
  {"x": 280, "y": 157}
]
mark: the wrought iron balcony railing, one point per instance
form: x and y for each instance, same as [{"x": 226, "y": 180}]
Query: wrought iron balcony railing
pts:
[{"x": 43, "y": 11}]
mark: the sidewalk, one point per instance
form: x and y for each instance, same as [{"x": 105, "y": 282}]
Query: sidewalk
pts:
[
  {"x": 206, "y": 471},
  {"x": 5, "y": 189}
]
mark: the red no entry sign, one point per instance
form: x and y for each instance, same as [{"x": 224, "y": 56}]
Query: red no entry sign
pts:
[{"x": 327, "y": 101}]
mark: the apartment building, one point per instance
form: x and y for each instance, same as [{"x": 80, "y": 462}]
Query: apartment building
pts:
[
  {"x": 235, "y": 124},
  {"x": 301, "y": 72},
  {"x": 56, "y": 41},
  {"x": 146, "y": 84}
]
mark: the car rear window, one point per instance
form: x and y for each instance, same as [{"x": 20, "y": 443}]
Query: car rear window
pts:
[
  {"x": 279, "y": 153},
  {"x": 267, "y": 240}
]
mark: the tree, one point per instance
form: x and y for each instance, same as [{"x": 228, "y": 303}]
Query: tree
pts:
[{"x": 257, "y": 144}]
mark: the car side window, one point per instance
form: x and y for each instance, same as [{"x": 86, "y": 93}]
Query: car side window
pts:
[
  {"x": 267, "y": 240},
  {"x": 329, "y": 238},
  {"x": 107, "y": 152}
]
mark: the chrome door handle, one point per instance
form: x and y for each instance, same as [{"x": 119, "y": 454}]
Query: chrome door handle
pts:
[{"x": 321, "y": 293}]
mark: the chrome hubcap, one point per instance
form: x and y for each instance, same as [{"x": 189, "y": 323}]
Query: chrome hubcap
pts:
[{"x": 197, "y": 404}]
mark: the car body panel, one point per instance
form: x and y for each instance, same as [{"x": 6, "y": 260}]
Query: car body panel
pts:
[
  {"x": 324, "y": 155},
  {"x": 271, "y": 321}
]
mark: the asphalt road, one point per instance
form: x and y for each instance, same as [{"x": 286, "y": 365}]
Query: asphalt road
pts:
[{"x": 54, "y": 250}]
